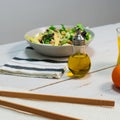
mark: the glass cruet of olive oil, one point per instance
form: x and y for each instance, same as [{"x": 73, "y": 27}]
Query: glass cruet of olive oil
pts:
[{"x": 79, "y": 62}]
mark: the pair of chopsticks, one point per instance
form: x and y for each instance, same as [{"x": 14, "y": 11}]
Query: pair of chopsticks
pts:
[{"x": 45, "y": 97}]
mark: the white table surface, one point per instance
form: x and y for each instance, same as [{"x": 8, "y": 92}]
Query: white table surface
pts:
[{"x": 97, "y": 84}]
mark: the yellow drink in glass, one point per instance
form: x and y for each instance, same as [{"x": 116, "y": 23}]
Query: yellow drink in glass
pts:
[{"x": 118, "y": 37}]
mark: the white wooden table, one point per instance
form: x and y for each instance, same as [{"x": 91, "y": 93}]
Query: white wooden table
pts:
[{"x": 97, "y": 84}]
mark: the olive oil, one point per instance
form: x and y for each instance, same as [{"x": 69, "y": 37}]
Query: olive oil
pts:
[{"x": 79, "y": 63}]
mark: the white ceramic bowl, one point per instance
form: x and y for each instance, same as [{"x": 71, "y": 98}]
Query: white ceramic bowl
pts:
[{"x": 54, "y": 51}]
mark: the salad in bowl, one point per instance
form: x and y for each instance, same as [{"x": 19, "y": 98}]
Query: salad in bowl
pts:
[{"x": 56, "y": 40}]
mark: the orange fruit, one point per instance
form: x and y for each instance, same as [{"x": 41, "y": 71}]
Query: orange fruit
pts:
[{"x": 116, "y": 76}]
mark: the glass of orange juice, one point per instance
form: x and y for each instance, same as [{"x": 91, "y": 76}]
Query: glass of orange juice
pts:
[{"x": 118, "y": 39}]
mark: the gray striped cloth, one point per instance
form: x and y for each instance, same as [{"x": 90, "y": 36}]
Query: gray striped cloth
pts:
[{"x": 32, "y": 64}]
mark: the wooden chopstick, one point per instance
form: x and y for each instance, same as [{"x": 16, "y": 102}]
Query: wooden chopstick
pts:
[
  {"x": 36, "y": 111},
  {"x": 46, "y": 97}
]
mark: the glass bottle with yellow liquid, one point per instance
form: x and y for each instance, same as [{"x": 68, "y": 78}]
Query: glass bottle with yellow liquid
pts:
[{"x": 79, "y": 62}]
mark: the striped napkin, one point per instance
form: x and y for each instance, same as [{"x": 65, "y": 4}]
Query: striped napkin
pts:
[{"x": 32, "y": 64}]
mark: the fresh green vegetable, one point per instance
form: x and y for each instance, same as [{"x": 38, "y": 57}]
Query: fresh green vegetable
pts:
[
  {"x": 52, "y": 27},
  {"x": 80, "y": 26},
  {"x": 63, "y": 27},
  {"x": 59, "y": 36}
]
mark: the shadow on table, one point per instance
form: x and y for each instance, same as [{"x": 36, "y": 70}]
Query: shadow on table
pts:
[{"x": 110, "y": 88}]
